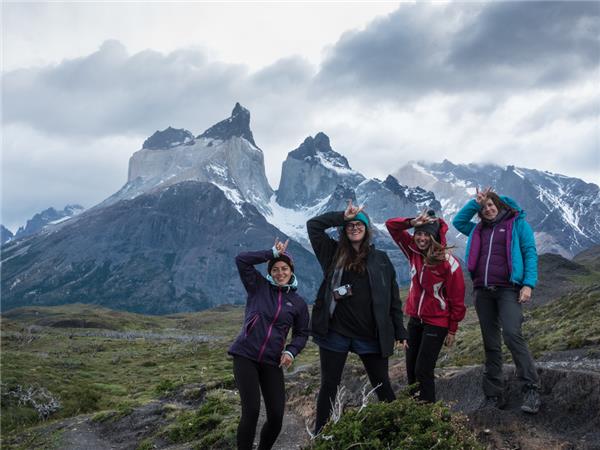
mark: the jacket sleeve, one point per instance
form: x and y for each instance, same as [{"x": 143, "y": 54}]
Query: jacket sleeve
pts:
[
  {"x": 462, "y": 220},
  {"x": 400, "y": 333},
  {"x": 455, "y": 294},
  {"x": 397, "y": 228},
  {"x": 245, "y": 263},
  {"x": 300, "y": 331},
  {"x": 324, "y": 246},
  {"x": 529, "y": 254}
]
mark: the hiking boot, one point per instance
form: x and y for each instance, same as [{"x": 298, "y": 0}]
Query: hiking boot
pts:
[
  {"x": 531, "y": 400},
  {"x": 494, "y": 402}
]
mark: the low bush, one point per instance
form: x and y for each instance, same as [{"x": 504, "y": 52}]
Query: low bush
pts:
[
  {"x": 403, "y": 424},
  {"x": 210, "y": 423}
]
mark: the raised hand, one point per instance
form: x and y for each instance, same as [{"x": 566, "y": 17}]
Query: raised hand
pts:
[
  {"x": 352, "y": 211},
  {"x": 480, "y": 196},
  {"x": 422, "y": 219},
  {"x": 280, "y": 247}
]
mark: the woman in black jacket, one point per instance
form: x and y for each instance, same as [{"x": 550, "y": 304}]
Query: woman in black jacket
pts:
[{"x": 358, "y": 305}]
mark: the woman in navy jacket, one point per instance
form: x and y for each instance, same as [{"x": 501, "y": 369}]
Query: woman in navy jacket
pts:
[{"x": 260, "y": 350}]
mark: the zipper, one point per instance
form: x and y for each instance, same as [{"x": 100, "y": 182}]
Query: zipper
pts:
[
  {"x": 268, "y": 336},
  {"x": 422, "y": 292},
  {"x": 487, "y": 263}
]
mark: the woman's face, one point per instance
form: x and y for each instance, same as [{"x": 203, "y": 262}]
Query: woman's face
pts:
[
  {"x": 281, "y": 273},
  {"x": 355, "y": 231},
  {"x": 489, "y": 210},
  {"x": 422, "y": 240}
]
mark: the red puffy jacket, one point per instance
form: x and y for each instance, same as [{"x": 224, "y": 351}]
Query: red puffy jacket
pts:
[{"x": 437, "y": 293}]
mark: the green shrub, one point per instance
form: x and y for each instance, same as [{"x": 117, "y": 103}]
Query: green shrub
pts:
[
  {"x": 81, "y": 399},
  {"x": 403, "y": 424},
  {"x": 208, "y": 422},
  {"x": 165, "y": 387}
]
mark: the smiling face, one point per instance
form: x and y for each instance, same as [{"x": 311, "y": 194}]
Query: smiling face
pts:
[
  {"x": 489, "y": 210},
  {"x": 281, "y": 273},
  {"x": 422, "y": 240},
  {"x": 355, "y": 231}
]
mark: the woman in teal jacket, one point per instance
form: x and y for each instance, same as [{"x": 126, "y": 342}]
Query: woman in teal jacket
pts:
[{"x": 502, "y": 260}]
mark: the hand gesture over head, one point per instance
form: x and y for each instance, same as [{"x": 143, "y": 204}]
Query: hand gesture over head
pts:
[
  {"x": 280, "y": 247},
  {"x": 352, "y": 211},
  {"x": 422, "y": 219},
  {"x": 480, "y": 196}
]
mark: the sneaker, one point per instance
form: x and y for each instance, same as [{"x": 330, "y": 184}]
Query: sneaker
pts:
[{"x": 531, "y": 400}]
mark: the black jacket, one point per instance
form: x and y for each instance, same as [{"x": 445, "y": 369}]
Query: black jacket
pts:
[{"x": 387, "y": 307}]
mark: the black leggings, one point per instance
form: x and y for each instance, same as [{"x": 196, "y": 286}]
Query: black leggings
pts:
[
  {"x": 424, "y": 345},
  {"x": 332, "y": 366},
  {"x": 252, "y": 377}
]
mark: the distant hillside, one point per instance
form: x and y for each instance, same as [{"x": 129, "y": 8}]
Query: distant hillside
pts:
[
  {"x": 590, "y": 258},
  {"x": 168, "y": 251}
]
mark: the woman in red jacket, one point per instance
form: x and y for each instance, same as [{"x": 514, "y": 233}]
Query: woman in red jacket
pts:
[{"x": 435, "y": 302}]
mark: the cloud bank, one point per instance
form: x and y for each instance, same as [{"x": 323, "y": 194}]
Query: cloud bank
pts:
[{"x": 506, "y": 82}]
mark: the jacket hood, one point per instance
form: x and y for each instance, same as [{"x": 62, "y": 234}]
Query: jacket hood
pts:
[
  {"x": 443, "y": 231},
  {"x": 293, "y": 284},
  {"x": 514, "y": 205}
]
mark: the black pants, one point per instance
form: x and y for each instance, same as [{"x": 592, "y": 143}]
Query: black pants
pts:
[
  {"x": 332, "y": 366},
  {"x": 252, "y": 377},
  {"x": 424, "y": 344},
  {"x": 500, "y": 316}
]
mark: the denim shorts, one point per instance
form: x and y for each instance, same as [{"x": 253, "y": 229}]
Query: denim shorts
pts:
[{"x": 336, "y": 342}]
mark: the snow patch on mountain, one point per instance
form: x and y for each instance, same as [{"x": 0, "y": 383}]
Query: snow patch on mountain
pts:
[{"x": 293, "y": 221}]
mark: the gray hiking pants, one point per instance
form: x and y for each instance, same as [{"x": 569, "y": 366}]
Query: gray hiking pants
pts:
[{"x": 500, "y": 316}]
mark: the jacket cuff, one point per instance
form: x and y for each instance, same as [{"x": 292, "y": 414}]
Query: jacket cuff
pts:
[
  {"x": 287, "y": 352},
  {"x": 402, "y": 335}
]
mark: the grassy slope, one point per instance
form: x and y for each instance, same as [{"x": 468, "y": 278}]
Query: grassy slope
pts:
[{"x": 120, "y": 367}]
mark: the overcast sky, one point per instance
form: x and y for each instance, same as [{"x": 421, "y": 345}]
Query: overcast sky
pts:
[{"x": 83, "y": 84}]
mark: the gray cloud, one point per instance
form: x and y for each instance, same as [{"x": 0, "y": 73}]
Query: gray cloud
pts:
[
  {"x": 497, "y": 47},
  {"x": 110, "y": 92},
  {"x": 561, "y": 108},
  {"x": 527, "y": 34},
  {"x": 100, "y": 107}
]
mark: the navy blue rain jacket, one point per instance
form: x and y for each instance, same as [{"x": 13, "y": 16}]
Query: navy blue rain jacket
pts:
[{"x": 271, "y": 311}]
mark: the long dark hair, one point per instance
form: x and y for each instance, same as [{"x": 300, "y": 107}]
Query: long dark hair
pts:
[
  {"x": 436, "y": 252},
  {"x": 348, "y": 258},
  {"x": 500, "y": 205}
]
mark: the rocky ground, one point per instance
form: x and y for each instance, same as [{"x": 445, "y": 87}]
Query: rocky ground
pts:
[{"x": 568, "y": 419}]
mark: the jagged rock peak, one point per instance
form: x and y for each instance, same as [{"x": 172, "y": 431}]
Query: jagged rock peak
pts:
[
  {"x": 416, "y": 194},
  {"x": 238, "y": 124},
  {"x": 392, "y": 184},
  {"x": 169, "y": 137},
  {"x": 5, "y": 234},
  {"x": 318, "y": 150}
]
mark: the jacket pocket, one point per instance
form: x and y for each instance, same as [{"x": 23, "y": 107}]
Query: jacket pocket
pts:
[{"x": 250, "y": 324}]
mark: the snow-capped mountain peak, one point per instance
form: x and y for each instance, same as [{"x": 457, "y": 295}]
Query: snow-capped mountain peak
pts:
[
  {"x": 563, "y": 211},
  {"x": 224, "y": 155},
  {"x": 312, "y": 171}
]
